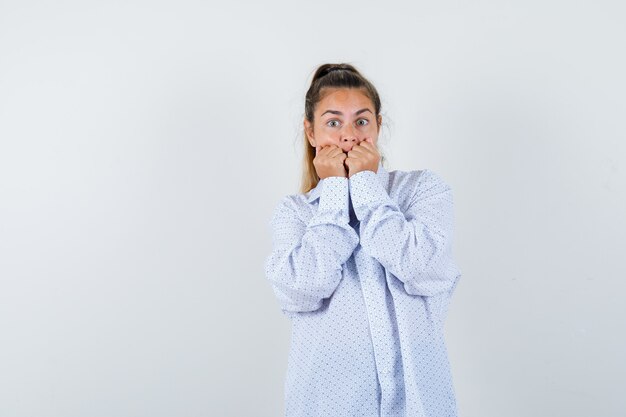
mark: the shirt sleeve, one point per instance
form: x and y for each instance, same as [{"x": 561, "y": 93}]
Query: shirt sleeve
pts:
[
  {"x": 305, "y": 265},
  {"x": 416, "y": 245}
]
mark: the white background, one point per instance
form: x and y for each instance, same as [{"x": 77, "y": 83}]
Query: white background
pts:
[{"x": 144, "y": 144}]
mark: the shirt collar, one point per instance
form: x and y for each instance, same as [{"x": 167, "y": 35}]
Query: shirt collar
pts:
[{"x": 382, "y": 175}]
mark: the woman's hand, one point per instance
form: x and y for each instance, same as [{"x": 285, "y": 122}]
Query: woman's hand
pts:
[
  {"x": 363, "y": 156},
  {"x": 328, "y": 161}
]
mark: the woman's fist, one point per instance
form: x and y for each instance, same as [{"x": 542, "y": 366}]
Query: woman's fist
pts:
[
  {"x": 328, "y": 161},
  {"x": 363, "y": 156}
]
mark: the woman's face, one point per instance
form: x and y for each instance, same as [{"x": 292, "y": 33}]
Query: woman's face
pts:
[{"x": 343, "y": 117}]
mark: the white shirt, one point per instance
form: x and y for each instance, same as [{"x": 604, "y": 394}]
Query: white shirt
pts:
[{"x": 363, "y": 267}]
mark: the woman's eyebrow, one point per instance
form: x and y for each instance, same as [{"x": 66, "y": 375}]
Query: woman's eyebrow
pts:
[{"x": 340, "y": 113}]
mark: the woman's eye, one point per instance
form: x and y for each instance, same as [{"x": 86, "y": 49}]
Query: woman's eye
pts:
[
  {"x": 363, "y": 120},
  {"x": 330, "y": 123}
]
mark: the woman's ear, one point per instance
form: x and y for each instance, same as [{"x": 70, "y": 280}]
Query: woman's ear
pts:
[
  {"x": 380, "y": 122},
  {"x": 308, "y": 130}
]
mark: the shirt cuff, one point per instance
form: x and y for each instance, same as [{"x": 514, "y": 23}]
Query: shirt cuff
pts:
[
  {"x": 367, "y": 193},
  {"x": 334, "y": 202}
]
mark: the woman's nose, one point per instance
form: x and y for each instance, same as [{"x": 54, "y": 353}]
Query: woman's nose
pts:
[{"x": 349, "y": 133}]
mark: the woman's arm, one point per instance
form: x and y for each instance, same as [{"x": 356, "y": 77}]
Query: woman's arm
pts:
[
  {"x": 415, "y": 246},
  {"x": 305, "y": 265}
]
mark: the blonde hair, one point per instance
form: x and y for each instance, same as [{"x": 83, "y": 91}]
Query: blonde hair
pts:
[{"x": 330, "y": 76}]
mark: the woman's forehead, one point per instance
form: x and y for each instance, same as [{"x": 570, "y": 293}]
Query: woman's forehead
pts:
[{"x": 345, "y": 96}]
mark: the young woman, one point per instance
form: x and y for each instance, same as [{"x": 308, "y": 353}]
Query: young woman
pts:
[{"x": 362, "y": 265}]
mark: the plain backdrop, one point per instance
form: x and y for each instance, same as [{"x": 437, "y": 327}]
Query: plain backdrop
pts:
[{"x": 144, "y": 144}]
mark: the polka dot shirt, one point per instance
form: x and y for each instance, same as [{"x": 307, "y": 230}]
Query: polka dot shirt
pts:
[{"x": 363, "y": 268}]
